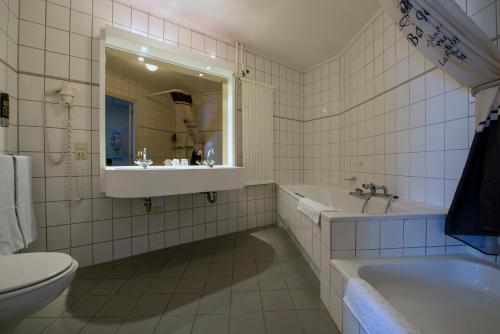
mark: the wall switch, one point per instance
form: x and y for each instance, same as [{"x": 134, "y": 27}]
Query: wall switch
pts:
[{"x": 81, "y": 151}]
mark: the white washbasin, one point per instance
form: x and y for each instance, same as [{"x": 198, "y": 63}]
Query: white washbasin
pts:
[{"x": 135, "y": 181}]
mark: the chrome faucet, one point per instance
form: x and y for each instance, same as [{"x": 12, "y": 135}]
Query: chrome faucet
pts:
[
  {"x": 361, "y": 195},
  {"x": 373, "y": 188},
  {"x": 210, "y": 162},
  {"x": 142, "y": 159}
]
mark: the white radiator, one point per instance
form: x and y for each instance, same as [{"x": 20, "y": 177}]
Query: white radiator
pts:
[{"x": 257, "y": 132}]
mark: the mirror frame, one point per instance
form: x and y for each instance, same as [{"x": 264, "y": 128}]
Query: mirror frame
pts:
[{"x": 133, "y": 43}]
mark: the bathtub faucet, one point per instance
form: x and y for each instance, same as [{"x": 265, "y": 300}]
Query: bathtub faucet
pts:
[
  {"x": 358, "y": 193},
  {"x": 374, "y": 187}
]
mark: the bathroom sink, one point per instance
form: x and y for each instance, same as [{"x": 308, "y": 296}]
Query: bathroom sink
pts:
[{"x": 135, "y": 181}]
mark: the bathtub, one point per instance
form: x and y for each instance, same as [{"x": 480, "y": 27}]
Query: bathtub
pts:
[
  {"x": 408, "y": 229},
  {"x": 436, "y": 294}
]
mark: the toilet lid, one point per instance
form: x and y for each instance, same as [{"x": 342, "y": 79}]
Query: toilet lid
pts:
[{"x": 21, "y": 270}]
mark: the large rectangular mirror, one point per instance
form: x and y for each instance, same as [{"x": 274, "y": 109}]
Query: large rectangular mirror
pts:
[
  {"x": 166, "y": 118},
  {"x": 172, "y": 103},
  {"x": 172, "y": 111}
]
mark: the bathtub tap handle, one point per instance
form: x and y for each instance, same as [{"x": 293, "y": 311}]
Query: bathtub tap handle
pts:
[{"x": 352, "y": 178}]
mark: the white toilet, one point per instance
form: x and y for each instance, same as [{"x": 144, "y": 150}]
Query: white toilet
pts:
[{"x": 30, "y": 281}]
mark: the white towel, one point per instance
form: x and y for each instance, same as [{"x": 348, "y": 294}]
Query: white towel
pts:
[
  {"x": 375, "y": 314},
  {"x": 24, "y": 205},
  {"x": 11, "y": 239},
  {"x": 313, "y": 209}
]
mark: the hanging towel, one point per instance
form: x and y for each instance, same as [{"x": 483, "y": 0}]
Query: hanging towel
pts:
[
  {"x": 11, "y": 239},
  {"x": 24, "y": 205},
  {"x": 313, "y": 209},
  {"x": 373, "y": 311}
]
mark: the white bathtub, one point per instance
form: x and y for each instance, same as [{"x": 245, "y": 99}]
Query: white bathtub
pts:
[
  {"x": 350, "y": 206},
  {"x": 409, "y": 229},
  {"x": 456, "y": 294}
]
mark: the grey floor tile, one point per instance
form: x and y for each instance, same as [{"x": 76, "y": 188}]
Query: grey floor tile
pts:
[
  {"x": 183, "y": 304},
  {"x": 301, "y": 281},
  {"x": 150, "y": 305},
  {"x": 148, "y": 271},
  {"x": 119, "y": 306},
  {"x": 245, "y": 301},
  {"x": 245, "y": 268},
  {"x": 102, "y": 326},
  {"x": 218, "y": 284},
  {"x": 317, "y": 322},
  {"x": 221, "y": 269},
  {"x": 139, "y": 325},
  {"x": 191, "y": 285},
  {"x": 66, "y": 326},
  {"x": 247, "y": 323},
  {"x": 245, "y": 283},
  {"x": 244, "y": 257},
  {"x": 224, "y": 257},
  {"x": 276, "y": 300},
  {"x": 272, "y": 282},
  {"x": 283, "y": 322},
  {"x": 86, "y": 306},
  {"x": 135, "y": 286},
  {"x": 107, "y": 287},
  {"x": 269, "y": 267},
  {"x": 211, "y": 324},
  {"x": 33, "y": 325},
  {"x": 306, "y": 298},
  {"x": 295, "y": 266},
  {"x": 175, "y": 324},
  {"x": 197, "y": 269},
  {"x": 123, "y": 271},
  {"x": 163, "y": 285},
  {"x": 215, "y": 303}
]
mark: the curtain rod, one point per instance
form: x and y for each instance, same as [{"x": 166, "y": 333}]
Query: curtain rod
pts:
[{"x": 487, "y": 85}]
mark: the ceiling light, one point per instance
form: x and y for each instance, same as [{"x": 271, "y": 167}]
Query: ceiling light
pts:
[
  {"x": 151, "y": 67},
  {"x": 200, "y": 74},
  {"x": 144, "y": 49},
  {"x": 208, "y": 67},
  {"x": 141, "y": 59}
]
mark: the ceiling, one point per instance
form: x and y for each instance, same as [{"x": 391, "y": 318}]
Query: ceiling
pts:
[
  {"x": 298, "y": 33},
  {"x": 168, "y": 76}
]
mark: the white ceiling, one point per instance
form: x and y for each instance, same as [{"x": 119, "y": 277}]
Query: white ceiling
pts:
[{"x": 298, "y": 33}]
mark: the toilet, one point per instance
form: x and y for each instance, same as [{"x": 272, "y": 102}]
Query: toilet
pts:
[{"x": 30, "y": 281}]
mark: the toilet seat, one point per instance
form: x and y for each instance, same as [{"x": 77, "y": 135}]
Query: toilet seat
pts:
[{"x": 31, "y": 269}]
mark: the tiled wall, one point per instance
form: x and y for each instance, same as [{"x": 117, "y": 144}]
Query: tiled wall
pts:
[
  {"x": 9, "y": 22},
  {"x": 154, "y": 116},
  {"x": 382, "y": 113},
  {"x": 58, "y": 41}
]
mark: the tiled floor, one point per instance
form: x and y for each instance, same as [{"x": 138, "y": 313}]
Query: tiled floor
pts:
[{"x": 250, "y": 282}]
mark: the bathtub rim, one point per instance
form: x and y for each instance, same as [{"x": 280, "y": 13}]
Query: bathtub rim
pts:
[
  {"x": 435, "y": 212},
  {"x": 348, "y": 268}
]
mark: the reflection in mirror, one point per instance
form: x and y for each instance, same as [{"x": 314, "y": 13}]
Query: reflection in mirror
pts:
[{"x": 172, "y": 111}]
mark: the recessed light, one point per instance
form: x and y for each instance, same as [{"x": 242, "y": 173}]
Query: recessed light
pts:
[
  {"x": 200, "y": 74},
  {"x": 141, "y": 59},
  {"x": 208, "y": 67},
  {"x": 144, "y": 49},
  {"x": 151, "y": 67}
]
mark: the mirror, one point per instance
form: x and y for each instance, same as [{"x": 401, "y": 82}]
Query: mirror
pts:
[{"x": 174, "y": 112}]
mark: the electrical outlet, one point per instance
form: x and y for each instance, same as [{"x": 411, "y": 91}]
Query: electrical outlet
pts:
[{"x": 81, "y": 151}]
